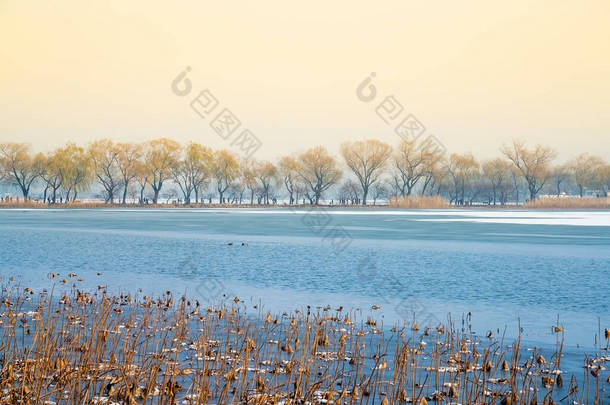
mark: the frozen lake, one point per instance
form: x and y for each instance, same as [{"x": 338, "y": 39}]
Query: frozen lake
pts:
[{"x": 501, "y": 266}]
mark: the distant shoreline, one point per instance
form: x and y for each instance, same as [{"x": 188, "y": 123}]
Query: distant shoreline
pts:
[{"x": 278, "y": 206}]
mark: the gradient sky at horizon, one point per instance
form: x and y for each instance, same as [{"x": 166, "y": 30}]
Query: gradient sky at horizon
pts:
[{"x": 476, "y": 73}]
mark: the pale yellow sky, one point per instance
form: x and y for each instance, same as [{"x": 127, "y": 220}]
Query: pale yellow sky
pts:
[{"x": 476, "y": 73}]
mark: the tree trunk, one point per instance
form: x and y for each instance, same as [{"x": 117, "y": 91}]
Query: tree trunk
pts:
[
  {"x": 532, "y": 192},
  {"x": 24, "y": 190}
]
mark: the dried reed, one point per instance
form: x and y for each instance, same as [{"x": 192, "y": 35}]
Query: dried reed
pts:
[{"x": 98, "y": 348}]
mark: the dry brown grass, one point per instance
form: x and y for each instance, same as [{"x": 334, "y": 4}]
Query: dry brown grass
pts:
[
  {"x": 409, "y": 202},
  {"x": 568, "y": 203},
  {"x": 98, "y": 348},
  {"x": 419, "y": 202}
]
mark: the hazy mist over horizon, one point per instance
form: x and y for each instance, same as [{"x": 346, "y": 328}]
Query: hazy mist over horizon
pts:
[{"x": 476, "y": 74}]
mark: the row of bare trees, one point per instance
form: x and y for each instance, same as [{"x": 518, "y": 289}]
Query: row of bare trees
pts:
[
  {"x": 520, "y": 171},
  {"x": 120, "y": 167},
  {"x": 371, "y": 169}
]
